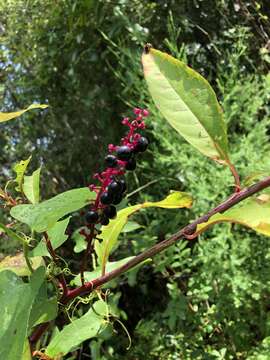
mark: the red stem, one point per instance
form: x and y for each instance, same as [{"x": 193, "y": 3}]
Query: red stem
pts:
[
  {"x": 187, "y": 230},
  {"x": 236, "y": 176},
  {"x": 184, "y": 232}
]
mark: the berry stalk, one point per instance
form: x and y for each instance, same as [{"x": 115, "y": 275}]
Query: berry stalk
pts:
[{"x": 112, "y": 186}]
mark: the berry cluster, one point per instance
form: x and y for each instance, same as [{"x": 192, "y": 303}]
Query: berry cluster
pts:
[{"x": 120, "y": 159}]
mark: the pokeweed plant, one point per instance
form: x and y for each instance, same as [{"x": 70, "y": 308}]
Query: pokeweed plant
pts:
[{"x": 37, "y": 286}]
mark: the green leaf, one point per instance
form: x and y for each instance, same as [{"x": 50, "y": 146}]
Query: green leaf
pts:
[
  {"x": 253, "y": 213},
  {"x": 91, "y": 275},
  {"x": 79, "y": 239},
  {"x": 110, "y": 233},
  {"x": 131, "y": 226},
  {"x": 20, "y": 169},
  {"x": 31, "y": 186},
  {"x": 86, "y": 327},
  {"x": 188, "y": 103},
  {"x": 17, "y": 264},
  {"x": 44, "y": 309},
  {"x": 57, "y": 237},
  {"x": 13, "y": 115},
  {"x": 26, "y": 351},
  {"x": 16, "y": 299},
  {"x": 43, "y": 216}
]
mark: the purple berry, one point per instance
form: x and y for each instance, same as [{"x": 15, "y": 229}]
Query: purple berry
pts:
[
  {"x": 141, "y": 145},
  {"x": 123, "y": 184},
  {"x": 111, "y": 160},
  {"x": 131, "y": 164},
  {"x": 123, "y": 152},
  {"x": 114, "y": 188},
  {"x": 106, "y": 198},
  {"x": 104, "y": 220},
  {"x": 117, "y": 199},
  {"x": 91, "y": 217},
  {"x": 110, "y": 212}
]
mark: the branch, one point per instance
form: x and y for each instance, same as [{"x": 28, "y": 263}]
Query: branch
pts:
[{"x": 156, "y": 249}]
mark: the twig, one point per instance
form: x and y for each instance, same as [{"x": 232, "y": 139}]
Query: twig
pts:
[
  {"x": 235, "y": 175},
  {"x": 187, "y": 230},
  {"x": 156, "y": 249}
]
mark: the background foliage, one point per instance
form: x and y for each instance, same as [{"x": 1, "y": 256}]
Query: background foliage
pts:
[{"x": 203, "y": 300}]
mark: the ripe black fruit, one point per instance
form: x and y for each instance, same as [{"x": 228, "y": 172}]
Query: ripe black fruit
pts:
[
  {"x": 141, "y": 145},
  {"x": 111, "y": 160},
  {"x": 110, "y": 212},
  {"x": 123, "y": 152},
  {"x": 123, "y": 184},
  {"x": 104, "y": 220},
  {"x": 117, "y": 199},
  {"x": 131, "y": 164},
  {"x": 91, "y": 217},
  {"x": 114, "y": 188},
  {"x": 106, "y": 198}
]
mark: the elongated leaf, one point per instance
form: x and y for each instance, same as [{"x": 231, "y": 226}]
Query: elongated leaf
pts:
[
  {"x": 188, "y": 103},
  {"x": 131, "y": 226},
  {"x": 20, "y": 169},
  {"x": 57, "y": 237},
  {"x": 26, "y": 351},
  {"x": 16, "y": 299},
  {"x": 43, "y": 216},
  {"x": 86, "y": 327},
  {"x": 17, "y": 264},
  {"x": 253, "y": 213},
  {"x": 44, "y": 308},
  {"x": 13, "y": 115},
  {"x": 110, "y": 233},
  {"x": 31, "y": 186}
]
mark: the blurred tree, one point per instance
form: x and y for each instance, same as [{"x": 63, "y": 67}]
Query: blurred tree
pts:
[{"x": 57, "y": 52}]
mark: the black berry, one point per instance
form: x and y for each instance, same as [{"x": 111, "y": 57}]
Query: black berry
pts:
[
  {"x": 111, "y": 160},
  {"x": 141, "y": 145},
  {"x": 106, "y": 198},
  {"x": 117, "y": 199},
  {"x": 131, "y": 164},
  {"x": 110, "y": 212},
  {"x": 123, "y": 152},
  {"x": 91, "y": 217},
  {"x": 104, "y": 220},
  {"x": 114, "y": 188},
  {"x": 123, "y": 184}
]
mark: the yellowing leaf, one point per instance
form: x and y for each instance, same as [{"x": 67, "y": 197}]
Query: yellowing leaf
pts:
[
  {"x": 17, "y": 264},
  {"x": 187, "y": 102},
  {"x": 110, "y": 233},
  {"x": 253, "y": 213},
  {"x": 15, "y": 114}
]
